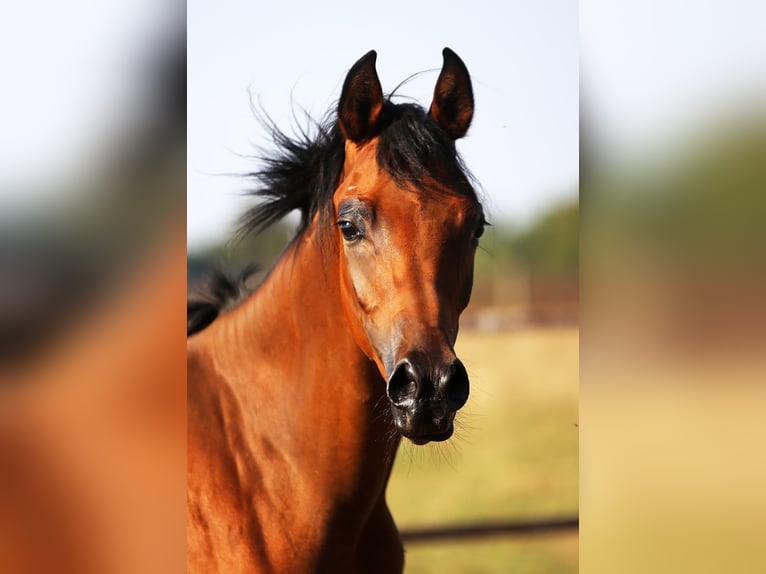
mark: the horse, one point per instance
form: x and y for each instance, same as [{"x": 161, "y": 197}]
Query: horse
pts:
[{"x": 298, "y": 396}]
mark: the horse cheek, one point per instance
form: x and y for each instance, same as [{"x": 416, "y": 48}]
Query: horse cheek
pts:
[{"x": 358, "y": 283}]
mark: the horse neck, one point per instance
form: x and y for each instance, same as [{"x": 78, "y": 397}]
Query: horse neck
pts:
[{"x": 291, "y": 361}]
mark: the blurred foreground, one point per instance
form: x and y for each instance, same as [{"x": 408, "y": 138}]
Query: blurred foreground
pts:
[
  {"x": 673, "y": 362},
  {"x": 92, "y": 251},
  {"x": 673, "y": 276}
]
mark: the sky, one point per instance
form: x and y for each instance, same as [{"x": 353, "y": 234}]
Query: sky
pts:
[{"x": 523, "y": 58}]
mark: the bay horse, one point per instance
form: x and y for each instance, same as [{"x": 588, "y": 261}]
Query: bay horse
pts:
[{"x": 298, "y": 397}]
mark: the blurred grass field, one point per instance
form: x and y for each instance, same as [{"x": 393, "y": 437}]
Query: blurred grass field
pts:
[{"x": 514, "y": 455}]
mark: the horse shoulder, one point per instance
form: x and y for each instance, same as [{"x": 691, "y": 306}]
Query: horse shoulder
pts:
[{"x": 222, "y": 535}]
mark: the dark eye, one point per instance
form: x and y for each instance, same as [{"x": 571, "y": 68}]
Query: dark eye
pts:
[
  {"x": 479, "y": 231},
  {"x": 349, "y": 230}
]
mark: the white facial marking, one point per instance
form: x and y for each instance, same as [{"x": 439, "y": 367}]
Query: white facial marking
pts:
[{"x": 351, "y": 187}]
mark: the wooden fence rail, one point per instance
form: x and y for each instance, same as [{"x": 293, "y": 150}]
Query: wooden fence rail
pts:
[{"x": 484, "y": 530}]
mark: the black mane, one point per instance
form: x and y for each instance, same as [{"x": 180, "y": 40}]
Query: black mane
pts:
[
  {"x": 221, "y": 293},
  {"x": 302, "y": 174}
]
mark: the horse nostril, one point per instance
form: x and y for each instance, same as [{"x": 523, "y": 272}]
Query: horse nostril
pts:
[
  {"x": 454, "y": 385},
  {"x": 403, "y": 384}
]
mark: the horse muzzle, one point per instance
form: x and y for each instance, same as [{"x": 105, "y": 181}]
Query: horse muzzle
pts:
[{"x": 424, "y": 399}]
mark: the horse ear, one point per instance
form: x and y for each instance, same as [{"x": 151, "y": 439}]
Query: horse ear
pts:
[
  {"x": 452, "y": 106},
  {"x": 361, "y": 100}
]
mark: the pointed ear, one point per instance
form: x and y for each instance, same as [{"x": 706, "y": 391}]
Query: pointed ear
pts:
[
  {"x": 452, "y": 106},
  {"x": 361, "y": 100}
]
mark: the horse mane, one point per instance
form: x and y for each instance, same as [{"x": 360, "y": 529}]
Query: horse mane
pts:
[
  {"x": 221, "y": 293},
  {"x": 302, "y": 172}
]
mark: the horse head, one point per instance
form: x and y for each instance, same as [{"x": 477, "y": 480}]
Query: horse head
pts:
[{"x": 408, "y": 224}]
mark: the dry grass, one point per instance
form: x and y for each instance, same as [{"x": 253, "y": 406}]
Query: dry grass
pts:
[{"x": 514, "y": 455}]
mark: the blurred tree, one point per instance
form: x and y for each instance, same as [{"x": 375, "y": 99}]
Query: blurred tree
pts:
[{"x": 551, "y": 246}]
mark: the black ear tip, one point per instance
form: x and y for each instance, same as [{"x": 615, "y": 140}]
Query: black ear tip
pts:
[
  {"x": 450, "y": 57},
  {"x": 366, "y": 62},
  {"x": 369, "y": 58}
]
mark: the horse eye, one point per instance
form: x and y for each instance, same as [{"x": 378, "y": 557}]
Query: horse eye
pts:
[
  {"x": 479, "y": 231},
  {"x": 349, "y": 230},
  {"x": 483, "y": 224}
]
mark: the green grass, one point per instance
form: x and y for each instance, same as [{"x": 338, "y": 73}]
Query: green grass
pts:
[{"x": 514, "y": 456}]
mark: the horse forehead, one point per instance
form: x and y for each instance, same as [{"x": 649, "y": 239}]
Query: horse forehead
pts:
[
  {"x": 424, "y": 206},
  {"x": 365, "y": 180},
  {"x": 361, "y": 159}
]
